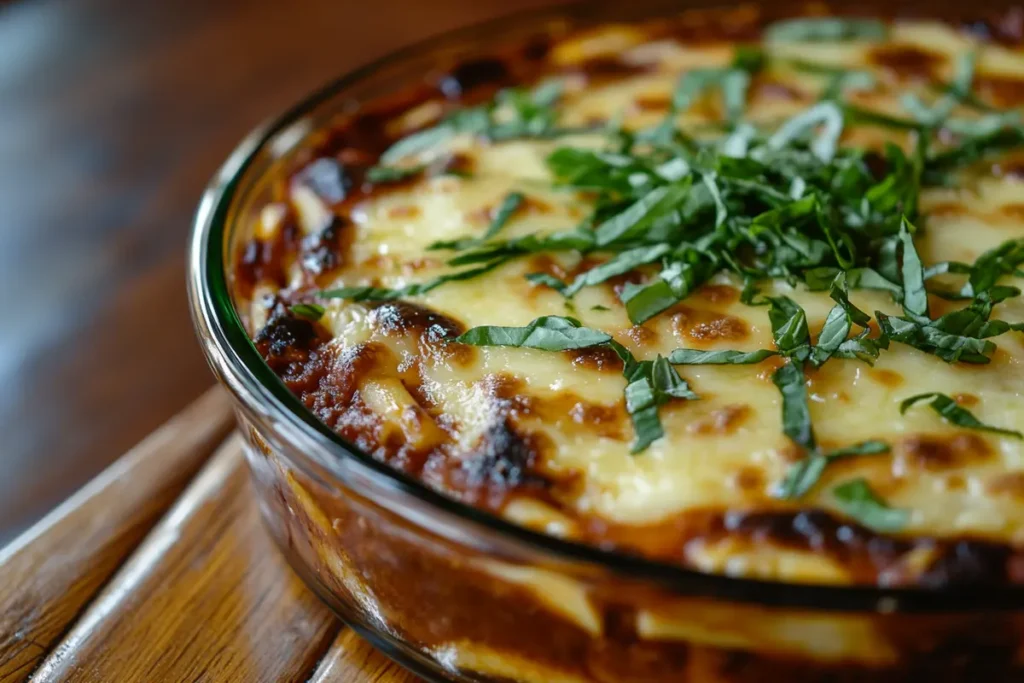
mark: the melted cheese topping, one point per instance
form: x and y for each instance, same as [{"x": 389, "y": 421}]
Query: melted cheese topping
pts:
[{"x": 727, "y": 450}]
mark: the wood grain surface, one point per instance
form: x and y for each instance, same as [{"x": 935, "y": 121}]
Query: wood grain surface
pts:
[
  {"x": 156, "y": 573},
  {"x": 49, "y": 573},
  {"x": 205, "y": 597},
  {"x": 352, "y": 660},
  {"x": 115, "y": 113}
]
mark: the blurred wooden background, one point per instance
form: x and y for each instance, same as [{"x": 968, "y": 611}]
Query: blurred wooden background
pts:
[{"x": 113, "y": 115}]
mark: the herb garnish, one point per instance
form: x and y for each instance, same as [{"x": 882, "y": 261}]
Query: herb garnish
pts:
[
  {"x": 508, "y": 206},
  {"x": 549, "y": 333},
  {"x": 856, "y": 499},
  {"x": 805, "y": 474},
  {"x": 953, "y": 413},
  {"x": 391, "y": 174},
  {"x": 531, "y": 114},
  {"x": 311, "y": 312},
  {"x": 696, "y": 357},
  {"x": 825, "y": 29}
]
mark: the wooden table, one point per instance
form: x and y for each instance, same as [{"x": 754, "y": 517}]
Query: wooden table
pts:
[
  {"x": 114, "y": 115},
  {"x": 160, "y": 570}
]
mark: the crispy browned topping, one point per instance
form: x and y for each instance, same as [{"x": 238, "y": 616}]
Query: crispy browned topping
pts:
[
  {"x": 698, "y": 326},
  {"x": 907, "y": 61},
  {"x": 725, "y": 420},
  {"x": 599, "y": 358},
  {"x": 1003, "y": 91},
  {"x": 1010, "y": 483},
  {"x": 889, "y": 378},
  {"x": 938, "y": 452},
  {"x": 719, "y": 295}
]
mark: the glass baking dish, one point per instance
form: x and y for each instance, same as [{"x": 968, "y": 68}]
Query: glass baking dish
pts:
[{"x": 457, "y": 594}]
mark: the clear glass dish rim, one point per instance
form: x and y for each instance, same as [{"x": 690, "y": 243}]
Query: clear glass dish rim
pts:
[{"x": 234, "y": 359}]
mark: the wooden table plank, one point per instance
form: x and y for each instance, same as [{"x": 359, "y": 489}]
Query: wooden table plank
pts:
[
  {"x": 206, "y": 597},
  {"x": 49, "y": 573},
  {"x": 353, "y": 660}
]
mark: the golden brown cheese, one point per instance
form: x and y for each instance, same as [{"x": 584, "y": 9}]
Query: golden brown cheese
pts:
[{"x": 543, "y": 438}]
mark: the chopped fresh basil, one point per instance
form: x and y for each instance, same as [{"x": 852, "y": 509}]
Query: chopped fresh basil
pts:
[
  {"x": 818, "y": 279},
  {"x": 383, "y": 294},
  {"x": 862, "y": 347},
  {"x": 915, "y": 297},
  {"x": 789, "y": 327},
  {"x": 796, "y": 414},
  {"x": 958, "y": 90},
  {"x": 838, "y": 324},
  {"x": 825, "y": 30},
  {"x": 856, "y": 499},
  {"x": 546, "y": 280},
  {"x": 824, "y": 114},
  {"x": 642, "y": 406},
  {"x": 949, "y": 347},
  {"x": 311, "y": 312},
  {"x": 953, "y": 413},
  {"x": 681, "y": 275},
  {"x": 994, "y": 264},
  {"x": 623, "y": 262},
  {"x": 643, "y": 302},
  {"x": 667, "y": 380},
  {"x": 650, "y": 384},
  {"x": 803, "y": 476},
  {"x": 697, "y": 357},
  {"x": 575, "y": 240},
  {"x": 548, "y": 333},
  {"x": 972, "y": 149},
  {"x": 391, "y": 174},
  {"x": 473, "y": 121},
  {"x": 642, "y": 214},
  {"x": 508, "y": 206},
  {"x": 855, "y": 114}
]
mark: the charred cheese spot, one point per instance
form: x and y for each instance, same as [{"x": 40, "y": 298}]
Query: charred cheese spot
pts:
[
  {"x": 749, "y": 479},
  {"x": 403, "y": 211},
  {"x": 1001, "y": 90},
  {"x": 267, "y": 260},
  {"x": 722, "y": 421},
  {"x": 469, "y": 76},
  {"x": 653, "y": 102},
  {"x": 938, "y": 452},
  {"x": 608, "y": 421},
  {"x": 699, "y": 326},
  {"x": 1014, "y": 211},
  {"x": 642, "y": 335},
  {"x": 888, "y": 378},
  {"x": 1009, "y": 484},
  {"x": 719, "y": 294},
  {"x": 947, "y": 210},
  {"x": 907, "y": 61},
  {"x": 324, "y": 252},
  {"x": 432, "y": 331},
  {"x": 502, "y": 461},
  {"x": 545, "y": 263},
  {"x": 600, "y": 358}
]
